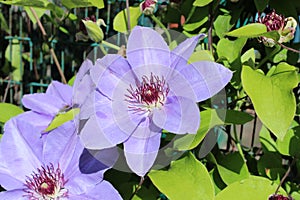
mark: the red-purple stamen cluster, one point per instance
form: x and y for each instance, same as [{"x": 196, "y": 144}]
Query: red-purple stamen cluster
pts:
[
  {"x": 273, "y": 21},
  {"x": 278, "y": 197},
  {"x": 151, "y": 92},
  {"x": 46, "y": 183},
  {"x": 147, "y": 4},
  {"x": 82, "y": 27}
]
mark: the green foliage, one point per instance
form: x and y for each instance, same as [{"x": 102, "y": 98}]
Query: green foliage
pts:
[
  {"x": 8, "y": 111},
  {"x": 62, "y": 118},
  {"x": 120, "y": 20},
  {"x": 94, "y": 31},
  {"x": 257, "y": 188},
  {"x": 202, "y": 3},
  {"x": 272, "y": 96},
  {"x": 184, "y": 173},
  {"x": 82, "y": 3}
]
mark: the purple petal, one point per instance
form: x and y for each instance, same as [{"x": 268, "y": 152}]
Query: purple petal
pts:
[
  {"x": 181, "y": 54},
  {"x": 206, "y": 78},
  {"x": 178, "y": 115},
  {"x": 146, "y": 48},
  {"x": 109, "y": 71},
  {"x": 13, "y": 195},
  {"x": 8, "y": 181},
  {"x": 92, "y": 161},
  {"x": 39, "y": 121},
  {"x": 18, "y": 155},
  {"x": 83, "y": 71},
  {"x": 82, "y": 90},
  {"x": 60, "y": 144},
  {"x": 102, "y": 191},
  {"x": 61, "y": 91},
  {"x": 43, "y": 103},
  {"x": 142, "y": 147}
]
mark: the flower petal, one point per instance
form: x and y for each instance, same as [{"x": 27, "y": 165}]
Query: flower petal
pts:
[
  {"x": 181, "y": 54},
  {"x": 178, "y": 115},
  {"x": 60, "y": 144},
  {"x": 146, "y": 47},
  {"x": 92, "y": 161},
  {"x": 206, "y": 78},
  {"x": 142, "y": 147},
  {"x": 43, "y": 103},
  {"x": 109, "y": 72},
  {"x": 17, "y": 154},
  {"x": 61, "y": 91},
  {"x": 102, "y": 191},
  {"x": 13, "y": 194}
]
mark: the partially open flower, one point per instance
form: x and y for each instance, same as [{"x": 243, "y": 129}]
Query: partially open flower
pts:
[
  {"x": 286, "y": 27},
  {"x": 90, "y": 29},
  {"x": 148, "y": 6}
]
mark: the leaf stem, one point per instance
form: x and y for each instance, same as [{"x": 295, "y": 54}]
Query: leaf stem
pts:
[
  {"x": 285, "y": 175},
  {"x": 265, "y": 59},
  {"x": 128, "y": 15},
  {"x": 288, "y": 48},
  {"x": 157, "y": 21},
  {"x": 110, "y": 45}
]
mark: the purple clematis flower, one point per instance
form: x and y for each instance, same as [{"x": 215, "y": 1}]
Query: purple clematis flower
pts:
[
  {"x": 34, "y": 167},
  {"x": 151, "y": 89}
]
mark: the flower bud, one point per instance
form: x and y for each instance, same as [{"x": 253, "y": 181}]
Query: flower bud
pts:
[{"x": 148, "y": 6}]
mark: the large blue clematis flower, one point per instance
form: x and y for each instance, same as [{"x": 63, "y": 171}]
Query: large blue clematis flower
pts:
[
  {"x": 152, "y": 89},
  {"x": 34, "y": 167}
]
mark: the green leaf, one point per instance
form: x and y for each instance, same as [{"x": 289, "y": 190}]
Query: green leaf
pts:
[
  {"x": 201, "y": 55},
  {"x": 201, "y": 3},
  {"x": 248, "y": 58},
  {"x": 13, "y": 54},
  {"x": 195, "y": 25},
  {"x": 255, "y": 187},
  {"x": 8, "y": 111},
  {"x": 62, "y": 118},
  {"x": 3, "y": 24},
  {"x": 222, "y": 25},
  {"x": 289, "y": 146},
  {"x": 231, "y": 50},
  {"x": 120, "y": 20},
  {"x": 272, "y": 96},
  {"x": 187, "y": 178},
  {"x": 71, "y": 81},
  {"x": 94, "y": 31},
  {"x": 82, "y": 3},
  {"x": 62, "y": 29},
  {"x": 269, "y": 163},
  {"x": 268, "y": 144},
  {"x": 209, "y": 119},
  {"x": 280, "y": 56},
  {"x": 39, "y": 11},
  {"x": 254, "y": 30},
  {"x": 29, "y": 3},
  {"x": 232, "y": 168}
]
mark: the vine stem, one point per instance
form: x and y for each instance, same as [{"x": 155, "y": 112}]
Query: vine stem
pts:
[
  {"x": 285, "y": 175},
  {"x": 128, "y": 15},
  {"x": 288, "y": 48},
  {"x": 163, "y": 27},
  {"x": 52, "y": 52},
  {"x": 137, "y": 188}
]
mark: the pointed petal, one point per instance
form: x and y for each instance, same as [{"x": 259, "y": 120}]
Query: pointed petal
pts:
[
  {"x": 178, "y": 115},
  {"x": 109, "y": 71},
  {"x": 142, "y": 147},
  {"x": 13, "y": 194},
  {"x": 43, "y": 103},
  {"x": 8, "y": 181},
  {"x": 146, "y": 48},
  {"x": 92, "y": 161},
  {"x": 206, "y": 78},
  {"x": 181, "y": 54},
  {"x": 17, "y": 155},
  {"x": 61, "y": 91},
  {"x": 103, "y": 191}
]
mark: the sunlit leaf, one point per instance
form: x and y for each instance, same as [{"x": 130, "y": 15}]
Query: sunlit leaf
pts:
[
  {"x": 272, "y": 96},
  {"x": 62, "y": 118},
  {"x": 255, "y": 187},
  {"x": 201, "y": 3},
  {"x": 39, "y": 11},
  {"x": 187, "y": 178},
  {"x": 8, "y": 111},
  {"x": 120, "y": 20},
  {"x": 94, "y": 31},
  {"x": 82, "y": 3}
]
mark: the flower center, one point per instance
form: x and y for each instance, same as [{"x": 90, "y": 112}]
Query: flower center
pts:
[
  {"x": 151, "y": 92},
  {"x": 47, "y": 183},
  {"x": 273, "y": 21}
]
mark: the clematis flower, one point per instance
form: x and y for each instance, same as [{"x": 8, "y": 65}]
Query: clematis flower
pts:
[
  {"x": 151, "y": 89},
  {"x": 34, "y": 167}
]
